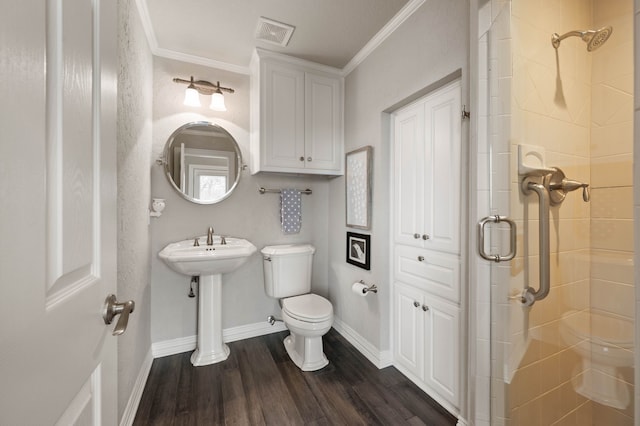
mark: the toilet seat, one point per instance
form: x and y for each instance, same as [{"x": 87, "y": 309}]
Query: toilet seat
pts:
[
  {"x": 600, "y": 328},
  {"x": 308, "y": 308}
]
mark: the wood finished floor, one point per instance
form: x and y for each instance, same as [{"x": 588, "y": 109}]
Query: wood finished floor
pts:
[{"x": 259, "y": 385}]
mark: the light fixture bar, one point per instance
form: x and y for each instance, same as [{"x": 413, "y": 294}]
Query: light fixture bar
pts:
[{"x": 204, "y": 87}]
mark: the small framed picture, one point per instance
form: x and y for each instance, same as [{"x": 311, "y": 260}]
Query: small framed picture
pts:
[
  {"x": 359, "y": 250},
  {"x": 358, "y": 187}
]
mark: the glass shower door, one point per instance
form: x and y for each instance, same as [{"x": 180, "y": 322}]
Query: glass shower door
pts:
[{"x": 562, "y": 354}]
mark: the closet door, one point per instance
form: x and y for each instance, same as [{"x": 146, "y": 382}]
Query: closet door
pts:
[
  {"x": 442, "y": 122},
  {"x": 409, "y": 171}
]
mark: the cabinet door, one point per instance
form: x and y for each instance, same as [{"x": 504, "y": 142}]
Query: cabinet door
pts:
[
  {"x": 323, "y": 122},
  {"x": 442, "y": 141},
  {"x": 283, "y": 117},
  {"x": 408, "y": 175},
  {"x": 409, "y": 340},
  {"x": 442, "y": 348}
]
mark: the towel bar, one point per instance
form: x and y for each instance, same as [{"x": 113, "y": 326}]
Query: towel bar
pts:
[{"x": 277, "y": 191}]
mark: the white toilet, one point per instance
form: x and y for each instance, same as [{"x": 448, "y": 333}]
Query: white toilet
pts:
[
  {"x": 287, "y": 276},
  {"x": 605, "y": 343}
]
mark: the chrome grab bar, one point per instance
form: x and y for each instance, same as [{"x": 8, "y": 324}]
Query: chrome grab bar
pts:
[
  {"x": 496, "y": 257},
  {"x": 529, "y": 295}
]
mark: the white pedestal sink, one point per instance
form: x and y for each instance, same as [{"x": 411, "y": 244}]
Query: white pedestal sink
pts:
[{"x": 209, "y": 263}]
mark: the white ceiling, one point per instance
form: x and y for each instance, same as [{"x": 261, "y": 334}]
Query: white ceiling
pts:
[{"x": 330, "y": 32}]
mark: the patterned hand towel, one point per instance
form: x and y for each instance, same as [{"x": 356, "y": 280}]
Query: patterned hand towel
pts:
[{"x": 290, "y": 211}]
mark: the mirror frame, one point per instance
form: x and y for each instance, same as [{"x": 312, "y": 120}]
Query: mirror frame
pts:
[{"x": 167, "y": 151}]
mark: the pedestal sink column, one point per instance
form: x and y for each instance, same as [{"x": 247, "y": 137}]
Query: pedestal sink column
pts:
[{"x": 210, "y": 346}]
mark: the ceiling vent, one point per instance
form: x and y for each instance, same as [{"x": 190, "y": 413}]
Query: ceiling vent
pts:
[{"x": 273, "y": 31}]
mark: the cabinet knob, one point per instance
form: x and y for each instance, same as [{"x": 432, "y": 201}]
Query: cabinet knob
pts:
[
  {"x": 416, "y": 236},
  {"x": 425, "y": 308},
  {"x": 416, "y": 303},
  {"x": 308, "y": 158},
  {"x": 420, "y": 258},
  {"x": 301, "y": 158},
  {"x": 425, "y": 236}
]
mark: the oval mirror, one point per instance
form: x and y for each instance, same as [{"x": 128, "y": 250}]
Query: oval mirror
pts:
[{"x": 202, "y": 161}]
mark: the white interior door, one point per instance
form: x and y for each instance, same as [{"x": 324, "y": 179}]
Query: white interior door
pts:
[{"x": 57, "y": 211}]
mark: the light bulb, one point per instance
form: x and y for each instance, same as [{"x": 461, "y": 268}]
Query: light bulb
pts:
[{"x": 217, "y": 101}]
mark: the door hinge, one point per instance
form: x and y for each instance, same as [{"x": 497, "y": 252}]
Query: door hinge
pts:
[{"x": 465, "y": 114}]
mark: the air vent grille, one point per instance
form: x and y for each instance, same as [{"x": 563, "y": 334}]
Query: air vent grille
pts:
[{"x": 273, "y": 31}]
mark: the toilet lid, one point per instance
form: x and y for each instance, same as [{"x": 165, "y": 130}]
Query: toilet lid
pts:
[{"x": 308, "y": 307}]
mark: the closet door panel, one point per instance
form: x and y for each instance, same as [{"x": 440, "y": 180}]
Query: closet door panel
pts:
[
  {"x": 408, "y": 186},
  {"x": 442, "y": 349},
  {"x": 442, "y": 174},
  {"x": 409, "y": 340}
]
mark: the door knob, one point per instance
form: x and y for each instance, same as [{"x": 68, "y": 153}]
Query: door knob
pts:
[
  {"x": 425, "y": 308},
  {"x": 416, "y": 303},
  {"x": 416, "y": 236},
  {"x": 112, "y": 308},
  {"x": 420, "y": 258}
]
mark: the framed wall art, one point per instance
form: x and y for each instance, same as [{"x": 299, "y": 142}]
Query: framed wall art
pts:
[
  {"x": 358, "y": 188},
  {"x": 359, "y": 250}
]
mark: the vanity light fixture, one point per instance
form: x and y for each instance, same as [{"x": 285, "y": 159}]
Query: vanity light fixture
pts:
[{"x": 203, "y": 87}]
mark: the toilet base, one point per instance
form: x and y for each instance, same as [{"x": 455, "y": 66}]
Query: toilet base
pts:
[
  {"x": 601, "y": 384},
  {"x": 306, "y": 352}
]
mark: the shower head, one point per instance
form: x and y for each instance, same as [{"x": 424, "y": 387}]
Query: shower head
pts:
[{"x": 593, "y": 38}]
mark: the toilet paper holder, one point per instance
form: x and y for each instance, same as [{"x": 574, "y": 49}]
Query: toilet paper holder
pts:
[{"x": 373, "y": 288}]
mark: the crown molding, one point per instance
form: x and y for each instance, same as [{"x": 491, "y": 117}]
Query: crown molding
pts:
[
  {"x": 382, "y": 35},
  {"x": 199, "y": 60}
]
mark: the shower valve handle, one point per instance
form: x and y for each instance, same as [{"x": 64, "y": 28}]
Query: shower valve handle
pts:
[{"x": 559, "y": 185}]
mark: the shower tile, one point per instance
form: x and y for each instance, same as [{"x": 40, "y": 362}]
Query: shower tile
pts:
[
  {"x": 615, "y": 170},
  {"x": 612, "y": 266},
  {"x": 608, "y": 416},
  {"x": 612, "y": 203},
  {"x": 551, "y": 407},
  {"x": 612, "y": 234},
  {"x": 611, "y": 297},
  {"x": 612, "y": 139},
  {"x": 610, "y": 106}
]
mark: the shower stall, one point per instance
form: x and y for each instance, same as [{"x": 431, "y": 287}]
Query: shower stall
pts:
[{"x": 555, "y": 187}]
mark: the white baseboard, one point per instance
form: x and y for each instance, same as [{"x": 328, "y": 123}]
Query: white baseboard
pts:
[
  {"x": 130, "y": 410},
  {"x": 185, "y": 344},
  {"x": 380, "y": 359}
]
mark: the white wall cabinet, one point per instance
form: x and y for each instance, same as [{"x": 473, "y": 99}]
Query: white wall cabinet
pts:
[
  {"x": 426, "y": 243},
  {"x": 427, "y": 172},
  {"x": 296, "y": 116},
  {"x": 426, "y": 341}
]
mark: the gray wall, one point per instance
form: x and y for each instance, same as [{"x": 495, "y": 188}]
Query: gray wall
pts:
[
  {"x": 134, "y": 154},
  {"x": 245, "y": 213},
  {"x": 430, "y": 45}
]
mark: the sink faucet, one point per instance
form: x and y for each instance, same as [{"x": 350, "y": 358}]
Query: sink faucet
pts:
[{"x": 210, "y": 236}]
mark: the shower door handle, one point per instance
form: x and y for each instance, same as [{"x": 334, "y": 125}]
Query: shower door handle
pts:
[{"x": 512, "y": 229}]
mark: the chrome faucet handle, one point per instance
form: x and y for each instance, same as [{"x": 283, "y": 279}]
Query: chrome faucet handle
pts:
[
  {"x": 558, "y": 186},
  {"x": 223, "y": 240},
  {"x": 586, "y": 193},
  {"x": 196, "y": 242}
]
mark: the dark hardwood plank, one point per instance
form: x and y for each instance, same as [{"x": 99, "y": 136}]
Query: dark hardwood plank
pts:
[{"x": 259, "y": 385}]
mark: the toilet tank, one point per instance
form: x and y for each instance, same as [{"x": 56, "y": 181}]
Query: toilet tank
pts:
[{"x": 287, "y": 269}]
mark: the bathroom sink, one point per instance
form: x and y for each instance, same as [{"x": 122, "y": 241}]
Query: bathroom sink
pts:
[
  {"x": 218, "y": 258},
  {"x": 209, "y": 262}
]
